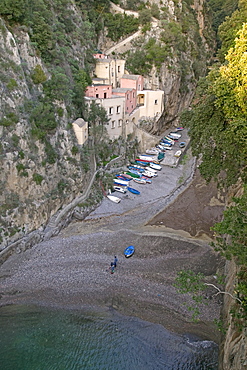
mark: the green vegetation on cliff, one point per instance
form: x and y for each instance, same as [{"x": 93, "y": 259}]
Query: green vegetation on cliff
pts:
[{"x": 218, "y": 129}]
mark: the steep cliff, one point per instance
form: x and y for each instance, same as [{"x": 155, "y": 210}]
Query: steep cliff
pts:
[{"x": 42, "y": 167}]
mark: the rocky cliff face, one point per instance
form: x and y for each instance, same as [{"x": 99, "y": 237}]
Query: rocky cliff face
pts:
[{"x": 42, "y": 167}]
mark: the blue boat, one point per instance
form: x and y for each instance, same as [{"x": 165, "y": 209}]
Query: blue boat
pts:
[
  {"x": 129, "y": 251},
  {"x": 134, "y": 191}
]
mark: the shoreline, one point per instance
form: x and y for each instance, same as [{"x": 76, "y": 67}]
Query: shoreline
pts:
[{"x": 72, "y": 269}]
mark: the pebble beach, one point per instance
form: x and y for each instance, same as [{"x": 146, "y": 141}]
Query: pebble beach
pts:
[{"x": 71, "y": 270}]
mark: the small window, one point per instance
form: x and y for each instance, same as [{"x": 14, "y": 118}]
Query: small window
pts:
[
  {"x": 112, "y": 124},
  {"x": 119, "y": 123},
  {"x": 111, "y": 110},
  {"x": 127, "y": 96},
  {"x": 156, "y": 102},
  {"x": 97, "y": 95},
  {"x": 118, "y": 109},
  {"x": 133, "y": 94},
  {"x": 127, "y": 121},
  {"x": 118, "y": 69}
]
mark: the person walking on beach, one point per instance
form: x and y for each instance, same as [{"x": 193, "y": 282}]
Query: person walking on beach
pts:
[
  {"x": 112, "y": 268},
  {"x": 115, "y": 261}
]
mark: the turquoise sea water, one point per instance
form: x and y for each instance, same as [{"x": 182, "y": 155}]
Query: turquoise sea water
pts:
[{"x": 36, "y": 338}]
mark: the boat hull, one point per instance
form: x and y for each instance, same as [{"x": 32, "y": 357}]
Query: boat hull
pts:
[{"x": 129, "y": 251}]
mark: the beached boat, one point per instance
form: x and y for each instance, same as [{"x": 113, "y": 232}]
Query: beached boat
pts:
[
  {"x": 149, "y": 174},
  {"x": 133, "y": 175},
  {"x": 155, "y": 166},
  {"x": 121, "y": 182},
  {"x": 113, "y": 198},
  {"x": 169, "y": 140},
  {"x": 174, "y": 136},
  {"x": 123, "y": 177},
  {"x": 127, "y": 177},
  {"x": 152, "y": 151},
  {"x": 120, "y": 189},
  {"x": 136, "y": 168},
  {"x": 161, "y": 156},
  {"x": 129, "y": 251},
  {"x": 182, "y": 144},
  {"x": 143, "y": 164},
  {"x": 148, "y": 179},
  {"x": 133, "y": 191},
  {"x": 140, "y": 181},
  {"x": 178, "y": 153}
]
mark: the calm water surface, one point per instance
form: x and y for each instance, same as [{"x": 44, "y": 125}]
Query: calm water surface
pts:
[{"x": 35, "y": 338}]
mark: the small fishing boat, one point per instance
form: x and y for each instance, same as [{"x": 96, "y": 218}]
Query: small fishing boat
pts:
[
  {"x": 179, "y": 128},
  {"x": 155, "y": 166},
  {"x": 133, "y": 175},
  {"x": 143, "y": 164},
  {"x": 113, "y": 198},
  {"x": 178, "y": 153},
  {"x": 148, "y": 179},
  {"x": 174, "y": 136},
  {"x": 182, "y": 144},
  {"x": 129, "y": 251},
  {"x": 149, "y": 174},
  {"x": 152, "y": 151},
  {"x": 127, "y": 177},
  {"x": 122, "y": 177},
  {"x": 140, "y": 181},
  {"x": 133, "y": 191},
  {"x": 121, "y": 182},
  {"x": 120, "y": 189}
]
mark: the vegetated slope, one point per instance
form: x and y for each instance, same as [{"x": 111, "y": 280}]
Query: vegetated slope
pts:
[
  {"x": 218, "y": 121},
  {"x": 46, "y": 56}
]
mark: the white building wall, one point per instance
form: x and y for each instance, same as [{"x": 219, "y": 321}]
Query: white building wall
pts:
[
  {"x": 153, "y": 103},
  {"x": 115, "y": 111}
]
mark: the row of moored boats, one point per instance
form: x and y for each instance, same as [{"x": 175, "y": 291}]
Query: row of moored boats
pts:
[{"x": 144, "y": 168}]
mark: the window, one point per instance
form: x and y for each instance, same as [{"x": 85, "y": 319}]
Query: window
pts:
[
  {"x": 105, "y": 95},
  {"x": 119, "y": 123},
  {"x": 111, "y": 110},
  {"x": 127, "y": 121},
  {"x": 133, "y": 94},
  {"x": 97, "y": 95},
  {"x": 112, "y": 124},
  {"x": 118, "y": 69},
  {"x": 118, "y": 109},
  {"x": 156, "y": 102},
  {"x": 127, "y": 96}
]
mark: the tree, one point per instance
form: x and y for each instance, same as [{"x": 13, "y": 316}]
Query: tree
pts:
[{"x": 97, "y": 119}]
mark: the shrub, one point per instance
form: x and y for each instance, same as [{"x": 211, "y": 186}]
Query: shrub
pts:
[
  {"x": 9, "y": 120},
  {"x": 74, "y": 150},
  {"x": 38, "y": 75},
  {"x": 37, "y": 178},
  {"x": 12, "y": 84}
]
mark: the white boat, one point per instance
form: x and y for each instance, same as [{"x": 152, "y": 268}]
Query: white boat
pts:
[
  {"x": 140, "y": 181},
  {"x": 121, "y": 182},
  {"x": 178, "y": 153},
  {"x": 152, "y": 151},
  {"x": 155, "y": 166},
  {"x": 149, "y": 173},
  {"x": 148, "y": 158},
  {"x": 120, "y": 189},
  {"x": 113, "y": 198},
  {"x": 174, "y": 135}
]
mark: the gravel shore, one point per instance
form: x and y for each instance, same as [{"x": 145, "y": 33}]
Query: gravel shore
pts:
[{"x": 72, "y": 269}]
